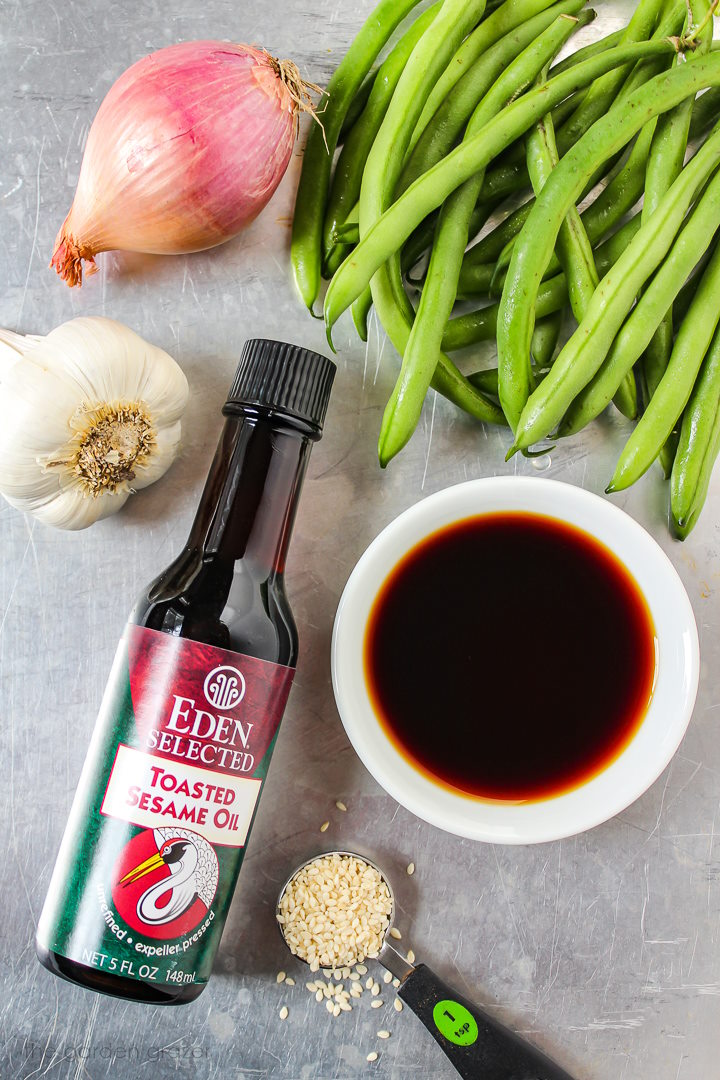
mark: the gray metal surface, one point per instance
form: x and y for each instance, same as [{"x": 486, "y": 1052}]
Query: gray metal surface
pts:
[{"x": 604, "y": 948}]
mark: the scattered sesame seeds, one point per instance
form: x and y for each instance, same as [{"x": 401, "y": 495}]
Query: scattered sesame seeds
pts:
[
  {"x": 376, "y": 1004},
  {"x": 398, "y": 1005},
  {"x": 370, "y": 983},
  {"x": 280, "y": 977},
  {"x": 375, "y": 990},
  {"x": 382, "y": 1034},
  {"x": 289, "y": 981},
  {"x": 319, "y": 995},
  {"x": 346, "y": 973},
  {"x": 372, "y": 1056},
  {"x": 311, "y": 987},
  {"x": 325, "y": 826},
  {"x": 396, "y": 983},
  {"x": 337, "y": 975},
  {"x": 341, "y": 806},
  {"x": 387, "y": 977},
  {"x": 329, "y": 1005},
  {"x": 411, "y": 868},
  {"x": 410, "y": 956},
  {"x": 284, "y": 1013},
  {"x": 335, "y": 912},
  {"x": 336, "y": 1010},
  {"x": 361, "y": 969},
  {"x": 394, "y": 932}
]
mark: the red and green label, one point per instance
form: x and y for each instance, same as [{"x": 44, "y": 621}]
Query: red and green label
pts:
[{"x": 164, "y": 807}]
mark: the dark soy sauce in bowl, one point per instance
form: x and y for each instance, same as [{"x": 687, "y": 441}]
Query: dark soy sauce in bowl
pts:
[{"x": 510, "y": 656}]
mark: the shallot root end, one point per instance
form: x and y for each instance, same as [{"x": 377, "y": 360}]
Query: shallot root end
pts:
[{"x": 67, "y": 260}]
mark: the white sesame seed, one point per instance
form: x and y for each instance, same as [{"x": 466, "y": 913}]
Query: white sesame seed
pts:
[
  {"x": 411, "y": 956},
  {"x": 346, "y": 1006},
  {"x": 337, "y": 975},
  {"x": 375, "y": 990},
  {"x": 280, "y": 977},
  {"x": 327, "y": 973},
  {"x": 369, "y": 983},
  {"x": 336, "y": 1010},
  {"x": 387, "y": 977},
  {"x": 383, "y": 1034},
  {"x": 411, "y": 868},
  {"x": 396, "y": 983},
  {"x": 394, "y": 932},
  {"x": 329, "y": 1006},
  {"x": 341, "y": 806},
  {"x": 289, "y": 981},
  {"x": 284, "y": 1013},
  {"x": 376, "y": 1004},
  {"x": 311, "y": 987},
  {"x": 372, "y": 1056},
  {"x": 398, "y": 1005},
  {"x": 356, "y": 991},
  {"x": 325, "y": 826},
  {"x": 361, "y": 969},
  {"x": 335, "y": 912},
  {"x": 354, "y": 977},
  {"x": 319, "y": 995}
]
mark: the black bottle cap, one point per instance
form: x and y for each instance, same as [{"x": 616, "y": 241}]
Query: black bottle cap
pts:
[{"x": 283, "y": 377}]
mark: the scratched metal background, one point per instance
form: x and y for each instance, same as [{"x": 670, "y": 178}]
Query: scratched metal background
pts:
[{"x": 604, "y": 948}]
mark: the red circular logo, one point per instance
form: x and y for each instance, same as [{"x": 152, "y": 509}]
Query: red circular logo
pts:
[{"x": 164, "y": 882}]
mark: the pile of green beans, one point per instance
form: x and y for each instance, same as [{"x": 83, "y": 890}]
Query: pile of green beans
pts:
[{"x": 484, "y": 190}]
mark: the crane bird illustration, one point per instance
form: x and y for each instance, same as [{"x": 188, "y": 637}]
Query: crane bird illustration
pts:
[{"x": 193, "y": 870}]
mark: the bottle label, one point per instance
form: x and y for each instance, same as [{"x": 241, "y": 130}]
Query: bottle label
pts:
[{"x": 164, "y": 807}]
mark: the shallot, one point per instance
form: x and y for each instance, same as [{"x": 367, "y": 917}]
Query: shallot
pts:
[{"x": 187, "y": 147}]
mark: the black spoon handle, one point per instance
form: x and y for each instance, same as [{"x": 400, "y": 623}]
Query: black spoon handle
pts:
[{"x": 479, "y": 1047}]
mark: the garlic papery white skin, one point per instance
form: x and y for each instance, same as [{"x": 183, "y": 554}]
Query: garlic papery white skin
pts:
[{"x": 88, "y": 414}]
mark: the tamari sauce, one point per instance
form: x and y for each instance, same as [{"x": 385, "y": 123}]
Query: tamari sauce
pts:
[{"x": 510, "y": 656}]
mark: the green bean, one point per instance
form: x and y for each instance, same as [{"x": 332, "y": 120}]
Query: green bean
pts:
[
  {"x": 691, "y": 345},
  {"x": 481, "y": 325},
  {"x": 545, "y": 339},
  {"x": 391, "y": 230},
  {"x": 486, "y": 381},
  {"x": 450, "y": 120},
  {"x": 706, "y": 110},
  {"x": 502, "y": 21},
  {"x": 666, "y": 158},
  {"x": 633, "y": 337},
  {"x": 357, "y": 104},
  {"x": 420, "y": 357},
  {"x": 428, "y": 60},
  {"x": 306, "y": 245},
  {"x": 609, "y": 208},
  {"x": 360, "y": 313},
  {"x": 536, "y": 242},
  {"x": 685, "y": 296},
  {"x": 699, "y": 444},
  {"x": 422, "y": 238},
  {"x": 573, "y": 247},
  {"x": 345, "y": 187},
  {"x": 587, "y": 52},
  {"x": 604, "y": 91}
]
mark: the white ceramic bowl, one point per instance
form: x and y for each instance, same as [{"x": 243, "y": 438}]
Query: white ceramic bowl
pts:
[{"x": 650, "y": 749}]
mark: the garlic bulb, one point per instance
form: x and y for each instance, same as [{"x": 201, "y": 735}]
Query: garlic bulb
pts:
[{"x": 88, "y": 415}]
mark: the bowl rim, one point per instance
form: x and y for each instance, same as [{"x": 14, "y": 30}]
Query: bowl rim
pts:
[{"x": 650, "y": 749}]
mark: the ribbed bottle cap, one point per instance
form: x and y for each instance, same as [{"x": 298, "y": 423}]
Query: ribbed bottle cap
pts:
[{"x": 277, "y": 375}]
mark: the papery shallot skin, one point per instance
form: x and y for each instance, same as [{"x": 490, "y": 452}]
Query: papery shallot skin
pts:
[{"x": 186, "y": 149}]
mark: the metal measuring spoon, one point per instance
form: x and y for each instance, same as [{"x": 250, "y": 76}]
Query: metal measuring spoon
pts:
[{"x": 478, "y": 1046}]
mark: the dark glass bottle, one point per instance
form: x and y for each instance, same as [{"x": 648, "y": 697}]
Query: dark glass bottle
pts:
[{"x": 158, "y": 828}]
